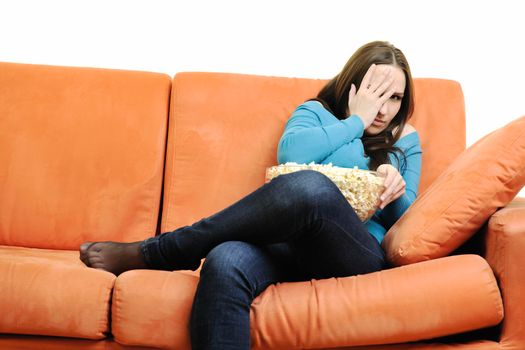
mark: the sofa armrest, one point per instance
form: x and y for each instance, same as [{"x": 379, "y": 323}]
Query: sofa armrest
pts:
[{"x": 505, "y": 252}]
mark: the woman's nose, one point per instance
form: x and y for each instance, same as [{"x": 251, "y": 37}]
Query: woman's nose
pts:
[{"x": 384, "y": 109}]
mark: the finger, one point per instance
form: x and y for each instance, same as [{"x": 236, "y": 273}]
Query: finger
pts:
[
  {"x": 398, "y": 183},
  {"x": 368, "y": 77},
  {"x": 392, "y": 195},
  {"x": 384, "y": 203},
  {"x": 390, "y": 179},
  {"x": 380, "y": 76},
  {"x": 399, "y": 193},
  {"x": 396, "y": 195},
  {"x": 351, "y": 94},
  {"x": 385, "y": 86},
  {"x": 393, "y": 183},
  {"x": 398, "y": 190},
  {"x": 387, "y": 94},
  {"x": 399, "y": 187},
  {"x": 390, "y": 199},
  {"x": 386, "y": 193}
]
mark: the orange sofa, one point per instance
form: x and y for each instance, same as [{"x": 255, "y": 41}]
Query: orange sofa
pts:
[{"x": 99, "y": 154}]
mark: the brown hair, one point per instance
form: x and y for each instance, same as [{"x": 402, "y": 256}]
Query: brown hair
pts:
[{"x": 334, "y": 97}]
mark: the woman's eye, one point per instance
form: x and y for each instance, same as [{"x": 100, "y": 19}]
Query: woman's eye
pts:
[{"x": 396, "y": 98}]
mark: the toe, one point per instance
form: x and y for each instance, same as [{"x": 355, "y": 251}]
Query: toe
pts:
[
  {"x": 84, "y": 249},
  {"x": 84, "y": 259},
  {"x": 94, "y": 260},
  {"x": 85, "y": 246}
]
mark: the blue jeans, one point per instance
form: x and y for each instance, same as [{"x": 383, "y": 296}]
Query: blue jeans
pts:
[{"x": 297, "y": 227}]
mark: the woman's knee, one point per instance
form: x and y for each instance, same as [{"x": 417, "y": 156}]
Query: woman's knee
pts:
[
  {"x": 242, "y": 266},
  {"x": 232, "y": 257}
]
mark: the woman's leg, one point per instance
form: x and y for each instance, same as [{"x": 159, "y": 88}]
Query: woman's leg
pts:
[
  {"x": 233, "y": 274},
  {"x": 304, "y": 208},
  {"x": 304, "y": 205}
]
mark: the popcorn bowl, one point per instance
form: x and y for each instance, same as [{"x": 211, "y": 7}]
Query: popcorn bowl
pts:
[{"x": 361, "y": 188}]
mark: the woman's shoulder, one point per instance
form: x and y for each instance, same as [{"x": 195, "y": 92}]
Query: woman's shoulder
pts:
[
  {"x": 311, "y": 105},
  {"x": 409, "y": 138},
  {"x": 407, "y": 130},
  {"x": 313, "y": 108}
]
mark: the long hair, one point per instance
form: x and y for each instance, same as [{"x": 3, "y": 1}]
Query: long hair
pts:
[{"x": 334, "y": 97}]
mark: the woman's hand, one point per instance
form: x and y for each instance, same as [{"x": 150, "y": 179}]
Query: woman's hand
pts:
[
  {"x": 375, "y": 89},
  {"x": 394, "y": 184}
]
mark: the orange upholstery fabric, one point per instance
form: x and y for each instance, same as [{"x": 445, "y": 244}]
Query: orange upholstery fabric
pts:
[
  {"x": 223, "y": 132},
  {"x": 46, "y": 292},
  {"x": 12, "y": 342},
  {"x": 82, "y": 154},
  {"x": 475, "y": 345},
  {"x": 19, "y": 342},
  {"x": 482, "y": 179},
  {"x": 505, "y": 244},
  {"x": 411, "y": 303},
  {"x": 152, "y": 308},
  {"x": 438, "y": 102},
  {"x": 405, "y": 304}
]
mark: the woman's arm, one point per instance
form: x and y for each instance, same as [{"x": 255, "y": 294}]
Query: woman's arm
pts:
[
  {"x": 411, "y": 174},
  {"x": 307, "y": 139}
]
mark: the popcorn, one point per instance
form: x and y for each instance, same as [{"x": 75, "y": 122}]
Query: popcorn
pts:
[{"x": 361, "y": 188}]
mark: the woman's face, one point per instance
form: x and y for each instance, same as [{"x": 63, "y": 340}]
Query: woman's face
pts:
[{"x": 388, "y": 111}]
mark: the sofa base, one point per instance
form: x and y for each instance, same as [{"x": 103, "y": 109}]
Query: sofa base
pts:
[{"x": 21, "y": 342}]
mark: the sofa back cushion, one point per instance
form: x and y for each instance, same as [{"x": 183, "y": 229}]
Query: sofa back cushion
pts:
[
  {"x": 81, "y": 153},
  {"x": 224, "y": 129}
]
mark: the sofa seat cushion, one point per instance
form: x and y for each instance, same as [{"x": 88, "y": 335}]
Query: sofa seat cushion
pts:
[
  {"x": 152, "y": 308},
  {"x": 420, "y": 301},
  {"x": 51, "y": 292},
  {"x": 414, "y": 302}
]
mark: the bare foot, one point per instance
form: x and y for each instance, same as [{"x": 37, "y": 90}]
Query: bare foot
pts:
[{"x": 112, "y": 256}]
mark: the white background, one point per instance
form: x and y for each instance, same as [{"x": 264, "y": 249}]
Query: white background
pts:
[{"x": 479, "y": 43}]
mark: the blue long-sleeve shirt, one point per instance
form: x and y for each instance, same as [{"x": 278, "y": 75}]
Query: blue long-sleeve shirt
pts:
[{"x": 313, "y": 134}]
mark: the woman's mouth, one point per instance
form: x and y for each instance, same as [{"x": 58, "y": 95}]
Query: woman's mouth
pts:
[{"x": 377, "y": 122}]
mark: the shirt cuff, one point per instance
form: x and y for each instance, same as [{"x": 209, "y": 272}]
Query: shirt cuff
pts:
[{"x": 355, "y": 126}]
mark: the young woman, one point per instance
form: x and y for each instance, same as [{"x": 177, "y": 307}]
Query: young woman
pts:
[{"x": 298, "y": 226}]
